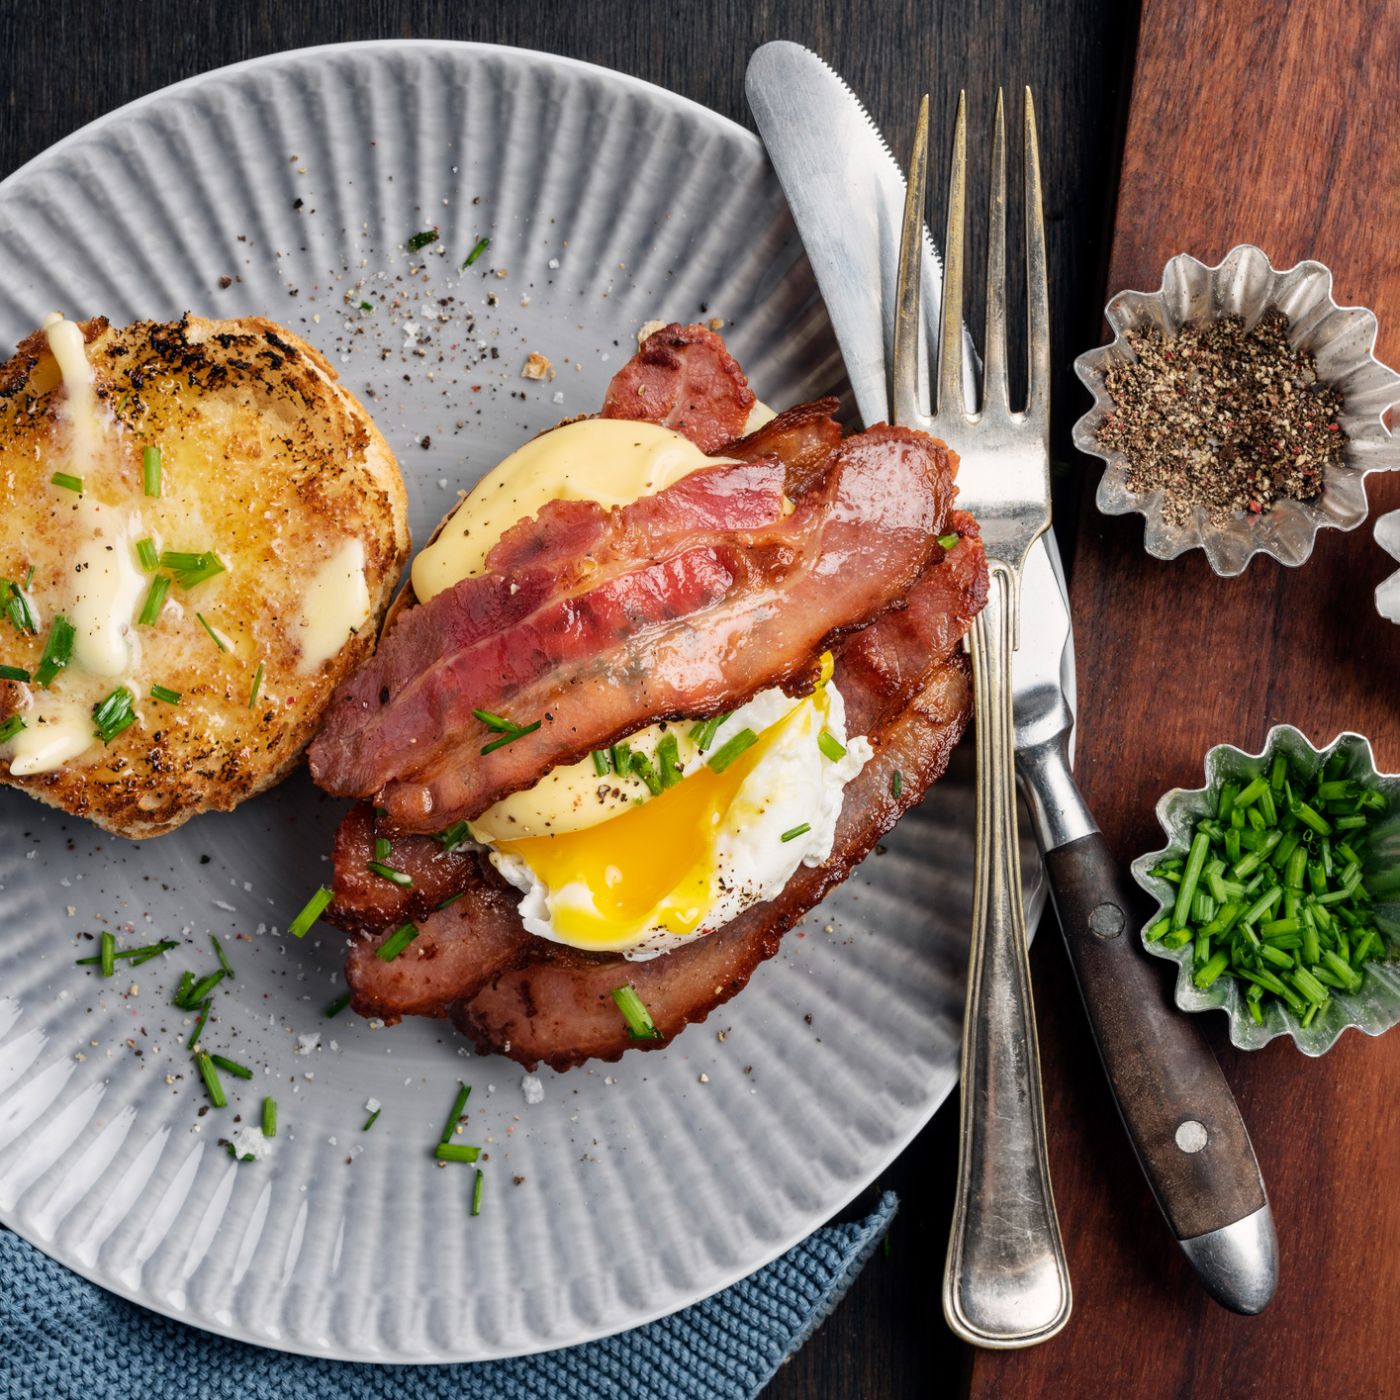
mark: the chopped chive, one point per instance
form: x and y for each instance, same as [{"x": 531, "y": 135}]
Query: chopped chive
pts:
[
  {"x": 1207, "y": 975},
  {"x": 311, "y": 911},
  {"x": 456, "y": 835},
  {"x": 232, "y": 1067},
  {"x": 459, "y": 1104},
  {"x": 150, "y": 471},
  {"x": 896, "y": 783},
  {"x": 704, "y": 733},
  {"x": 213, "y": 635},
  {"x": 511, "y": 737},
  {"x": 421, "y": 240},
  {"x": 1252, "y": 792},
  {"x": 366, "y": 306},
  {"x": 257, "y": 686},
  {"x": 451, "y": 899},
  {"x": 642, "y": 767},
  {"x": 108, "y": 953},
  {"x": 371, "y": 1120},
  {"x": 211, "y": 1079},
  {"x": 269, "y": 1118},
  {"x": 151, "y": 950},
  {"x": 668, "y": 760},
  {"x": 155, "y": 600},
  {"x": 13, "y": 673},
  {"x": 831, "y": 746},
  {"x": 113, "y": 715},
  {"x": 204, "y": 986},
  {"x": 476, "y": 1192},
  {"x": 337, "y": 1006},
  {"x": 165, "y": 694},
  {"x": 731, "y": 749},
  {"x": 796, "y": 832},
  {"x": 58, "y": 650},
  {"x": 222, "y": 956},
  {"x": 640, "y": 1026},
  {"x": 199, "y": 1025},
  {"x": 1200, "y": 844},
  {"x": 602, "y": 762},
  {"x": 383, "y": 848},
  {"x": 148, "y": 555},
  {"x": 190, "y": 569},
  {"x": 496, "y": 722},
  {"x": 622, "y": 759},
  {"x": 396, "y": 942},
  {"x": 17, "y": 605},
  {"x": 387, "y": 872},
  {"x": 456, "y": 1152},
  {"x": 10, "y": 728},
  {"x": 948, "y": 541},
  {"x": 67, "y": 481},
  {"x": 182, "y": 992},
  {"x": 482, "y": 244}
]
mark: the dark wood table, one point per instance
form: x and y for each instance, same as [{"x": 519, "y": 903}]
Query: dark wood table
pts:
[{"x": 1137, "y": 1309}]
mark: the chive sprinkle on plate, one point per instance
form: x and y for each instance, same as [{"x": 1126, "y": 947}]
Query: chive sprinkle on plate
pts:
[
  {"x": 269, "y": 1117},
  {"x": 311, "y": 911},
  {"x": 459, "y": 1104},
  {"x": 1271, "y": 891}
]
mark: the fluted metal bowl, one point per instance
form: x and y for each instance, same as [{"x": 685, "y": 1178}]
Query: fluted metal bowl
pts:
[
  {"x": 1388, "y": 590},
  {"x": 1373, "y": 1009},
  {"x": 1342, "y": 340}
]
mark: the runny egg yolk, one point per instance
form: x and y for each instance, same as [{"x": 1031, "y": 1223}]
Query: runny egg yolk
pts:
[{"x": 654, "y": 864}]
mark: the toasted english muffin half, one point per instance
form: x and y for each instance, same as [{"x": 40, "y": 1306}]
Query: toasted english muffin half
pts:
[{"x": 204, "y": 527}]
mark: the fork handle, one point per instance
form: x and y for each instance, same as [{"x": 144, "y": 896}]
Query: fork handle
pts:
[{"x": 1006, "y": 1282}]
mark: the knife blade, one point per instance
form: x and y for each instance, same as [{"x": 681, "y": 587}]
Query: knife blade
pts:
[{"x": 846, "y": 193}]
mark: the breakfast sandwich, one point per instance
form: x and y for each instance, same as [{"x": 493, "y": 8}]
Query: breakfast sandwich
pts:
[
  {"x": 202, "y": 530},
  {"x": 661, "y": 680}
]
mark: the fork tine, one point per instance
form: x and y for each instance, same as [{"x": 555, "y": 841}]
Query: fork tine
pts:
[
  {"x": 950, "y": 338},
  {"x": 995, "y": 394},
  {"x": 907, "y": 408},
  {"x": 1037, "y": 284}
]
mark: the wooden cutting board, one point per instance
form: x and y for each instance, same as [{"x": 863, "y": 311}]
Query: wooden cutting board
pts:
[{"x": 1271, "y": 124}]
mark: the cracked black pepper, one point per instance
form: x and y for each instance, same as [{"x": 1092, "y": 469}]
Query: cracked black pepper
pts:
[{"x": 1221, "y": 417}]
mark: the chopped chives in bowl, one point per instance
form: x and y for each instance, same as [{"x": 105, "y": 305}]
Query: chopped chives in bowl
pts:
[{"x": 1267, "y": 888}]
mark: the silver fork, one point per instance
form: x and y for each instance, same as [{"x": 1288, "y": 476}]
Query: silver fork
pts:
[{"x": 1006, "y": 1283}]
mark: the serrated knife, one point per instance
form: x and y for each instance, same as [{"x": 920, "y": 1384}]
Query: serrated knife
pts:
[{"x": 846, "y": 193}]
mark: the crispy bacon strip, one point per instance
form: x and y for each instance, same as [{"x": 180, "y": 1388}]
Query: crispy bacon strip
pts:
[
  {"x": 458, "y": 950},
  {"x": 683, "y": 378},
  {"x": 801, "y": 438},
  {"x": 690, "y": 634}
]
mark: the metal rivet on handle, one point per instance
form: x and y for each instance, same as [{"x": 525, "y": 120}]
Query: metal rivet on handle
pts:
[
  {"x": 1106, "y": 921},
  {"x": 1191, "y": 1136}
]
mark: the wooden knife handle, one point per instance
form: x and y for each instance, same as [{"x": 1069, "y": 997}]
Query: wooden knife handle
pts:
[{"x": 1179, "y": 1112}]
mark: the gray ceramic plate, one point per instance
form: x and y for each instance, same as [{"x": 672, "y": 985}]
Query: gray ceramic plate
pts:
[{"x": 630, "y": 1190}]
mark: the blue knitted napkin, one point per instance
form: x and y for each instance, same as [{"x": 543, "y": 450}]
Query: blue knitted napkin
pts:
[{"x": 62, "y": 1338}]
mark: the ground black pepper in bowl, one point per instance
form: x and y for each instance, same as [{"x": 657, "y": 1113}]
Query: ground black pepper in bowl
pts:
[{"x": 1221, "y": 417}]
